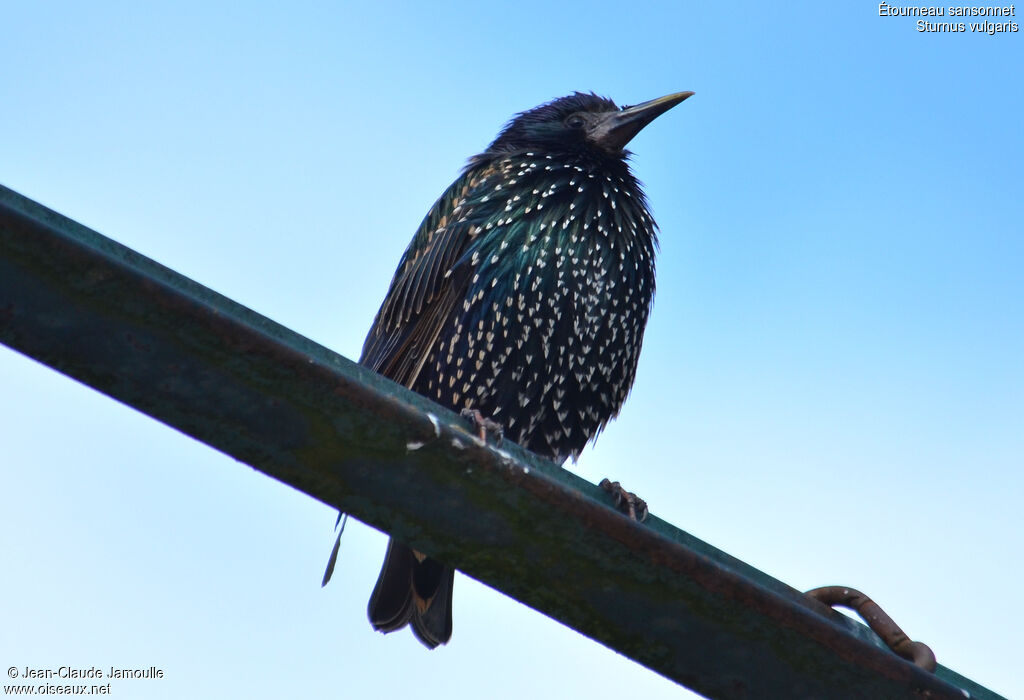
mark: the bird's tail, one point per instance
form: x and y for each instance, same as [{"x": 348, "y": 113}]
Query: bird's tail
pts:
[{"x": 413, "y": 589}]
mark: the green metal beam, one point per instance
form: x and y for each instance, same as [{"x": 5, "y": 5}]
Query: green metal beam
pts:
[{"x": 197, "y": 361}]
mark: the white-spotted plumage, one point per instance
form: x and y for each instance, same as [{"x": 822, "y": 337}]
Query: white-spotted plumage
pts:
[{"x": 577, "y": 286}]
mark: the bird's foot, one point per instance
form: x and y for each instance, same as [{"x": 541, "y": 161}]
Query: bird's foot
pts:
[
  {"x": 627, "y": 502},
  {"x": 484, "y": 425}
]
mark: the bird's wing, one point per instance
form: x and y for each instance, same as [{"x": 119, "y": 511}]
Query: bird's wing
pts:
[{"x": 430, "y": 281}]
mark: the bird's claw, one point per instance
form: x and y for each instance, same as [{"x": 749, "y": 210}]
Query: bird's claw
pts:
[
  {"x": 626, "y": 501},
  {"x": 483, "y": 425}
]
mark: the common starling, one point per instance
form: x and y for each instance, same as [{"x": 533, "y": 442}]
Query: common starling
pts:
[{"x": 523, "y": 298}]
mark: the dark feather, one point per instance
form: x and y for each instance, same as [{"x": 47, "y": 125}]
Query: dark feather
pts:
[
  {"x": 333, "y": 559},
  {"x": 413, "y": 589}
]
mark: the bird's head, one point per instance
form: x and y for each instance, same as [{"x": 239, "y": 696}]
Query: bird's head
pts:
[{"x": 581, "y": 121}]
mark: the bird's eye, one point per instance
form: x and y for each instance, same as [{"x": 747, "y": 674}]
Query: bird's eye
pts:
[{"x": 575, "y": 121}]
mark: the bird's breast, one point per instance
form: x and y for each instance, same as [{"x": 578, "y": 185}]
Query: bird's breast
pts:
[{"x": 547, "y": 336}]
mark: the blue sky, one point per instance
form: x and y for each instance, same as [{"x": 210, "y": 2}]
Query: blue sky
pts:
[{"x": 832, "y": 383}]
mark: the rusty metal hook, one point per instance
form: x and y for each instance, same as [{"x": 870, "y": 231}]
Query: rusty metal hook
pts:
[{"x": 879, "y": 622}]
